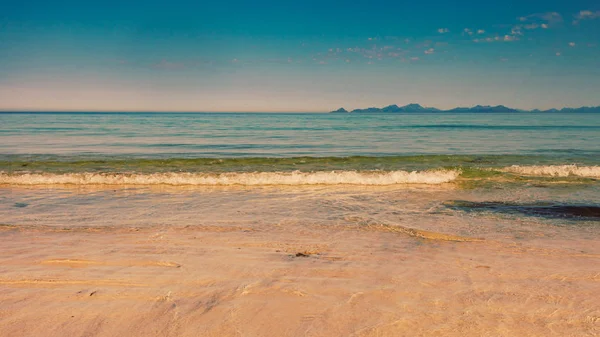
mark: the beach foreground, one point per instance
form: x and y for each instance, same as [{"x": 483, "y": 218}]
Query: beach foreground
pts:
[{"x": 250, "y": 262}]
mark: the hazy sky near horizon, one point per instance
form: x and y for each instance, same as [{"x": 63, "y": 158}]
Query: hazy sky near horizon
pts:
[{"x": 297, "y": 56}]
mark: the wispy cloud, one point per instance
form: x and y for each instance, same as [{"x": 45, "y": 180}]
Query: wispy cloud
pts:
[
  {"x": 505, "y": 38},
  {"x": 572, "y": 44},
  {"x": 471, "y": 32},
  {"x": 517, "y": 30},
  {"x": 168, "y": 65},
  {"x": 586, "y": 15},
  {"x": 548, "y": 17},
  {"x": 429, "y": 51},
  {"x": 375, "y": 52},
  {"x": 529, "y": 22},
  {"x": 443, "y": 30},
  {"x": 536, "y": 21}
]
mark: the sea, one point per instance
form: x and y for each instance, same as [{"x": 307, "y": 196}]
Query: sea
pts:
[{"x": 544, "y": 165}]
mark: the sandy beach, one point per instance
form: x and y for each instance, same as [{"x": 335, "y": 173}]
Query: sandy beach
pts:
[{"x": 208, "y": 275}]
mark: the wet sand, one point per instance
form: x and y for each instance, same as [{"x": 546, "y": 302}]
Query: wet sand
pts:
[
  {"x": 274, "y": 261},
  {"x": 292, "y": 280}
]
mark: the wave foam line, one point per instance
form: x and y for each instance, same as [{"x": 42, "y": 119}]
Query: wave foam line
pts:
[
  {"x": 241, "y": 178},
  {"x": 556, "y": 170}
]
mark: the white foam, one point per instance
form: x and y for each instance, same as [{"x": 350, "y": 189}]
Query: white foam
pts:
[
  {"x": 556, "y": 170},
  {"x": 240, "y": 178}
]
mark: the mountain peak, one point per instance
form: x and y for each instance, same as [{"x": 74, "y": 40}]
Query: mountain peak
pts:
[
  {"x": 415, "y": 107},
  {"x": 340, "y": 110}
]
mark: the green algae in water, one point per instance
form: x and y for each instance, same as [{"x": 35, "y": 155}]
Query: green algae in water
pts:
[{"x": 549, "y": 210}]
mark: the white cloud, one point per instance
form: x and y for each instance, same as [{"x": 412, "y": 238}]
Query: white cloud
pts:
[
  {"x": 586, "y": 15},
  {"x": 430, "y": 51},
  {"x": 557, "y": 54},
  {"x": 572, "y": 44},
  {"x": 534, "y": 21},
  {"x": 467, "y": 31},
  {"x": 551, "y": 17},
  {"x": 505, "y": 38},
  {"x": 480, "y": 31},
  {"x": 543, "y": 20},
  {"x": 516, "y": 30},
  {"x": 443, "y": 30}
]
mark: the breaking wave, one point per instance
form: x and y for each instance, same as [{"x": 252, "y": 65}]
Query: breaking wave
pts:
[
  {"x": 431, "y": 177},
  {"x": 556, "y": 170}
]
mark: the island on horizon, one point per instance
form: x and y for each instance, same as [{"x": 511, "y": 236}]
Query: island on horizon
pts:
[{"x": 414, "y": 107}]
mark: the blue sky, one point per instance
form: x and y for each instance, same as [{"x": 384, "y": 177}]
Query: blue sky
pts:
[{"x": 297, "y": 56}]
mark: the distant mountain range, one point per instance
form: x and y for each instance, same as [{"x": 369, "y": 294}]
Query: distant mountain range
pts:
[{"x": 478, "y": 108}]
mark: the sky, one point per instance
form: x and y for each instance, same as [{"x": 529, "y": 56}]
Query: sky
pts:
[{"x": 299, "y": 56}]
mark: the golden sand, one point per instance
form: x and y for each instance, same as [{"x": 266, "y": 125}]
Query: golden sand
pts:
[{"x": 349, "y": 280}]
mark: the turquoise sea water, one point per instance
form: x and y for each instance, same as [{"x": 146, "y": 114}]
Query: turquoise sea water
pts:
[
  {"x": 295, "y": 149},
  {"x": 529, "y": 163},
  {"x": 175, "y": 135}
]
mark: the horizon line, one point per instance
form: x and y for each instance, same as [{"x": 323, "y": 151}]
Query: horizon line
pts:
[{"x": 8, "y": 110}]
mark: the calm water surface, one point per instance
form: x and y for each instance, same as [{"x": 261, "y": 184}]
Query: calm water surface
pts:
[{"x": 176, "y": 135}]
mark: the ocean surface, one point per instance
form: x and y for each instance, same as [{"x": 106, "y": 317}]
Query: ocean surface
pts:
[
  {"x": 73, "y": 136},
  {"x": 482, "y": 152},
  {"x": 540, "y": 144}
]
